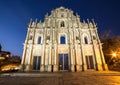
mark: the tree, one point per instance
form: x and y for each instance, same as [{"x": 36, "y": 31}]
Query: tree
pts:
[
  {"x": 14, "y": 59},
  {"x": 111, "y": 44}
]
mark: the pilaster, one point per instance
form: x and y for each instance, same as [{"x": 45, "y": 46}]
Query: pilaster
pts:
[
  {"x": 105, "y": 67},
  {"x": 42, "y": 68},
  {"x": 50, "y": 60},
  {"x": 78, "y": 58},
  {"x": 24, "y": 54},
  {"x": 22, "y": 67},
  {"x": 99, "y": 67},
  {"x": 78, "y": 68},
  {"x": 55, "y": 68},
  {"x": 27, "y": 67},
  {"x": 84, "y": 66},
  {"x": 72, "y": 68},
  {"x": 49, "y": 68},
  {"x": 72, "y": 59}
]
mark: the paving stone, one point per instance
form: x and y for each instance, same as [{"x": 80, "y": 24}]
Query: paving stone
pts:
[{"x": 64, "y": 78}]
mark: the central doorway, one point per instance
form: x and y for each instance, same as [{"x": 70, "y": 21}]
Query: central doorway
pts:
[
  {"x": 89, "y": 61},
  {"x": 63, "y": 62},
  {"x": 36, "y": 63}
]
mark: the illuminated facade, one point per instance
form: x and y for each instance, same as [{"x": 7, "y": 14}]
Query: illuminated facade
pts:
[{"x": 62, "y": 43}]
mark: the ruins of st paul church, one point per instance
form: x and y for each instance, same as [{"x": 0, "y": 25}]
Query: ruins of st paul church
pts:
[{"x": 62, "y": 43}]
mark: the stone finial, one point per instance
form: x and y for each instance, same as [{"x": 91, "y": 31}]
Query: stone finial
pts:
[
  {"x": 40, "y": 21},
  {"x": 88, "y": 21},
  {"x": 93, "y": 21},
  {"x": 77, "y": 15},
  {"x": 30, "y": 23},
  {"x": 83, "y": 21},
  {"x": 94, "y": 24},
  {"x": 90, "y": 24},
  {"x": 36, "y": 20},
  {"x": 31, "y": 20},
  {"x": 46, "y": 15},
  {"x": 33, "y": 23}
]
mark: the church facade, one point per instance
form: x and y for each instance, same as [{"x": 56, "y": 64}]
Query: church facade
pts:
[{"x": 62, "y": 43}]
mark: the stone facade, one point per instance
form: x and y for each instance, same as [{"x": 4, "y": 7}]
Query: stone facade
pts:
[{"x": 62, "y": 43}]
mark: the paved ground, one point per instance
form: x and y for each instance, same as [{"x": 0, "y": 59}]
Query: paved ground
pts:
[{"x": 61, "y": 78}]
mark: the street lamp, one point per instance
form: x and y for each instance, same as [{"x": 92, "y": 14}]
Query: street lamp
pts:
[{"x": 114, "y": 54}]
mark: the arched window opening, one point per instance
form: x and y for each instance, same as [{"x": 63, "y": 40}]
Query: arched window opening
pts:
[
  {"x": 62, "y": 24},
  {"x": 77, "y": 38},
  {"x": 39, "y": 40},
  {"x": 85, "y": 40},
  {"x": 62, "y": 15},
  {"x": 30, "y": 37},
  {"x": 94, "y": 38},
  {"x": 62, "y": 40}
]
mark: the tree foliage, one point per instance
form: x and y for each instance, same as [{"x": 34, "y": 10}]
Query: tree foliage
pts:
[{"x": 111, "y": 45}]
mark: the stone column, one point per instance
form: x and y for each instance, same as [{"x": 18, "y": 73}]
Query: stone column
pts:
[
  {"x": 83, "y": 58},
  {"x": 69, "y": 48},
  {"x": 42, "y": 68},
  {"x": 72, "y": 59},
  {"x": 24, "y": 53},
  {"x": 94, "y": 47},
  {"x": 55, "y": 53},
  {"x": 83, "y": 66},
  {"x": 55, "y": 67},
  {"x": 28, "y": 66},
  {"x": 75, "y": 50},
  {"x": 46, "y": 57},
  {"x": 104, "y": 65},
  {"x": 50, "y": 51},
  {"x": 78, "y": 60},
  {"x": 50, "y": 59},
  {"x": 22, "y": 66},
  {"x": 98, "y": 57}
]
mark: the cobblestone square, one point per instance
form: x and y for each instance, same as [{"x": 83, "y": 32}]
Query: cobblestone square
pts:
[{"x": 61, "y": 78}]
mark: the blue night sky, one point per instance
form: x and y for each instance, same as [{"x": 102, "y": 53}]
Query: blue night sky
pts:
[{"x": 15, "y": 16}]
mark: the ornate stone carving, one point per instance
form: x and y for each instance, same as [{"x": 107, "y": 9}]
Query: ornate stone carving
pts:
[{"x": 78, "y": 43}]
